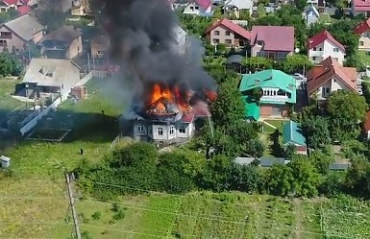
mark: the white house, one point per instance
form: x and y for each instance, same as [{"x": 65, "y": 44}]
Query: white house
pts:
[
  {"x": 311, "y": 15},
  {"x": 199, "y": 8},
  {"x": 313, "y": 2},
  {"x": 236, "y": 6},
  {"x": 324, "y": 45}
]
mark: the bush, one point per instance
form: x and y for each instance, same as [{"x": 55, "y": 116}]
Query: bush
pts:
[
  {"x": 119, "y": 215},
  {"x": 96, "y": 216}
]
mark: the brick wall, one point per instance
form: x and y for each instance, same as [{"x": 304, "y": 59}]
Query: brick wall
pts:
[{"x": 268, "y": 110}]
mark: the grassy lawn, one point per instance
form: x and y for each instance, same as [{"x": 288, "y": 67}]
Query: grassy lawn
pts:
[
  {"x": 7, "y": 87},
  {"x": 326, "y": 18},
  {"x": 365, "y": 59}
]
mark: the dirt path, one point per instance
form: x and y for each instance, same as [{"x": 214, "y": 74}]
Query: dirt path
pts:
[{"x": 298, "y": 218}]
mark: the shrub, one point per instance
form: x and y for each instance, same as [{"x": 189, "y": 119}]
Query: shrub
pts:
[{"x": 96, "y": 216}]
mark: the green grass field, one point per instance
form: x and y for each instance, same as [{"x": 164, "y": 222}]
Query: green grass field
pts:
[
  {"x": 35, "y": 203},
  {"x": 7, "y": 87}
]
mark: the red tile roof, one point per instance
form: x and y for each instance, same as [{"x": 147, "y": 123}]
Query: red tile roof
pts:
[
  {"x": 10, "y": 2},
  {"x": 275, "y": 38},
  {"x": 328, "y": 69},
  {"x": 235, "y": 28},
  {"x": 361, "y": 5},
  {"x": 362, "y": 27},
  {"x": 324, "y": 36},
  {"x": 204, "y": 4},
  {"x": 23, "y": 10},
  {"x": 366, "y": 124},
  {"x": 188, "y": 118}
]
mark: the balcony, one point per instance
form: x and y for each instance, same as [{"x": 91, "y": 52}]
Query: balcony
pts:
[
  {"x": 274, "y": 98},
  {"x": 316, "y": 53}
]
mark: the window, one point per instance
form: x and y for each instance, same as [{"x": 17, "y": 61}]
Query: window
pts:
[
  {"x": 140, "y": 128},
  {"x": 227, "y": 33},
  {"x": 320, "y": 49},
  {"x": 192, "y": 8},
  {"x": 314, "y": 49},
  {"x": 160, "y": 131},
  {"x": 368, "y": 34},
  {"x": 99, "y": 53},
  {"x": 7, "y": 35},
  {"x": 281, "y": 55},
  {"x": 327, "y": 90},
  {"x": 3, "y": 43},
  {"x": 228, "y": 41},
  {"x": 260, "y": 43},
  {"x": 216, "y": 41},
  {"x": 182, "y": 129},
  {"x": 314, "y": 58},
  {"x": 361, "y": 43},
  {"x": 217, "y": 33},
  {"x": 335, "y": 49},
  {"x": 172, "y": 130},
  {"x": 196, "y": 8}
]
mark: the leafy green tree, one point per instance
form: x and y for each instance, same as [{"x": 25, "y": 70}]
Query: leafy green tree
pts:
[
  {"x": 8, "y": 15},
  {"x": 346, "y": 110},
  {"x": 316, "y": 130},
  {"x": 295, "y": 63},
  {"x": 357, "y": 178},
  {"x": 254, "y": 148},
  {"x": 279, "y": 180},
  {"x": 321, "y": 161},
  {"x": 301, "y": 4},
  {"x": 366, "y": 91},
  {"x": 9, "y": 65},
  {"x": 229, "y": 106},
  {"x": 289, "y": 151},
  {"x": 332, "y": 184},
  {"x": 171, "y": 175},
  {"x": 217, "y": 174},
  {"x": 306, "y": 178},
  {"x": 244, "y": 178},
  {"x": 257, "y": 62}
]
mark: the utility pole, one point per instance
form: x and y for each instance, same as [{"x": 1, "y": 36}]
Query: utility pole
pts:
[{"x": 72, "y": 204}]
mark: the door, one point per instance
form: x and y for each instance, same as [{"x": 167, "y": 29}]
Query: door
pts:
[{"x": 276, "y": 111}]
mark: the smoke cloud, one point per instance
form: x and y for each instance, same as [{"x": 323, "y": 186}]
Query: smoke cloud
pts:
[{"x": 142, "y": 39}]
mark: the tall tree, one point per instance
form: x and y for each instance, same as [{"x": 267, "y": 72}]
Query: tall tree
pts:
[
  {"x": 365, "y": 86},
  {"x": 316, "y": 130},
  {"x": 346, "y": 110}
]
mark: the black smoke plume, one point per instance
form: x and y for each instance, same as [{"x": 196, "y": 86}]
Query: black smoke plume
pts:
[{"x": 142, "y": 39}]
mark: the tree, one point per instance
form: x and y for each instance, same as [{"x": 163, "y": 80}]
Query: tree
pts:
[
  {"x": 321, "y": 161},
  {"x": 357, "y": 178},
  {"x": 366, "y": 91},
  {"x": 316, "y": 130},
  {"x": 296, "y": 63},
  {"x": 346, "y": 110},
  {"x": 244, "y": 178},
  {"x": 306, "y": 178},
  {"x": 289, "y": 151},
  {"x": 171, "y": 175},
  {"x": 254, "y": 148},
  {"x": 279, "y": 180},
  {"x": 301, "y": 4},
  {"x": 217, "y": 174},
  {"x": 9, "y": 65},
  {"x": 8, "y": 15},
  {"x": 229, "y": 106}
]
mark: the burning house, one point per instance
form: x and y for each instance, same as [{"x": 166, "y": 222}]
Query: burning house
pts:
[{"x": 169, "y": 88}]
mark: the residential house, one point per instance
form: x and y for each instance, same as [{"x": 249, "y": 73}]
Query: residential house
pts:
[
  {"x": 80, "y": 7},
  {"x": 50, "y": 76},
  {"x": 6, "y": 5},
  {"x": 366, "y": 126},
  {"x": 323, "y": 45},
  {"x": 179, "y": 3},
  {"x": 278, "y": 93},
  {"x": 312, "y": 2},
  {"x": 199, "y": 8},
  {"x": 236, "y": 7},
  {"x": 361, "y": 7},
  {"x": 224, "y": 31},
  {"x": 99, "y": 45},
  {"x": 330, "y": 76},
  {"x": 363, "y": 31},
  {"x": 273, "y": 42},
  {"x": 16, "y": 34},
  {"x": 311, "y": 15},
  {"x": 293, "y": 135},
  {"x": 65, "y": 42}
]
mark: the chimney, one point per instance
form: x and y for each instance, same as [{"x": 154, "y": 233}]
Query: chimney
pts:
[{"x": 257, "y": 81}]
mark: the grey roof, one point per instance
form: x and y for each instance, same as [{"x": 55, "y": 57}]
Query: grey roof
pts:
[
  {"x": 234, "y": 59},
  {"x": 269, "y": 162},
  {"x": 25, "y": 26},
  {"x": 51, "y": 72},
  {"x": 339, "y": 166},
  {"x": 240, "y": 4},
  {"x": 64, "y": 33},
  {"x": 244, "y": 160}
]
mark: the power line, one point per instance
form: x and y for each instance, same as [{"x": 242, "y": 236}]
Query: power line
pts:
[{"x": 69, "y": 178}]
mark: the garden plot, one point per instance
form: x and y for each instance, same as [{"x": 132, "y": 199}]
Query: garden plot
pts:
[{"x": 49, "y": 134}]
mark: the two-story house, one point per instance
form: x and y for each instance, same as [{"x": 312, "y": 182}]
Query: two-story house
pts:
[
  {"x": 63, "y": 43},
  {"x": 330, "y": 76},
  {"x": 226, "y": 32},
  {"x": 278, "y": 93},
  {"x": 360, "y": 7},
  {"x": 363, "y": 31},
  {"x": 99, "y": 45},
  {"x": 272, "y": 42},
  {"x": 236, "y": 7},
  {"x": 199, "y": 8},
  {"x": 323, "y": 45},
  {"x": 16, "y": 34}
]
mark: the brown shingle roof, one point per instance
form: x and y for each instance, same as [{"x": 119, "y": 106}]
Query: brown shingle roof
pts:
[{"x": 328, "y": 69}]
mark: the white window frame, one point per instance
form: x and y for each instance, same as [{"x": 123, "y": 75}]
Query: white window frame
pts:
[
  {"x": 335, "y": 49},
  {"x": 182, "y": 129},
  {"x": 172, "y": 130},
  {"x": 160, "y": 131},
  {"x": 140, "y": 128}
]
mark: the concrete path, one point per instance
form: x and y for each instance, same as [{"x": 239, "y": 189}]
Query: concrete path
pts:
[{"x": 268, "y": 124}]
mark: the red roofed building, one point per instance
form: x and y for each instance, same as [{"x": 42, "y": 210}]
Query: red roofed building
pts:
[
  {"x": 199, "y": 8},
  {"x": 361, "y": 7},
  {"x": 324, "y": 45},
  {"x": 23, "y": 10},
  {"x": 363, "y": 31},
  {"x": 366, "y": 126},
  {"x": 273, "y": 42},
  {"x": 226, "y": 32},
  {"x": 330, "y": 76}
]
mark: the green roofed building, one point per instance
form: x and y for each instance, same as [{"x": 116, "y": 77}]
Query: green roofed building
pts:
[
  {"x": 252, "y": 110},
  {"x": 292, "y": 134},
  {"x": 278, "y": 91}
]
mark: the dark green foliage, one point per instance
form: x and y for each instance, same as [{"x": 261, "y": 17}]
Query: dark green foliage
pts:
[
  {"x": 8, "y": 15},
  {"x": 244, "y": 178},
  {"x": 86, "y": 235},
  {"x": 366, "y": 91},
  {"x": 9, "y": 65},
  {"x": 96, "y": 216},
  {"x": 316, "y": 130}
]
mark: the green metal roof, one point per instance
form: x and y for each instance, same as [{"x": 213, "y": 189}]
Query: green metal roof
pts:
[
  {"x": 252, "y": 110},
  {"x": 270, "y": 79},
  {"x": 292, "y": 133}
]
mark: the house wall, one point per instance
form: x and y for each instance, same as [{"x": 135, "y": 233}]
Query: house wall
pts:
[
  {"x": 194, "y": 9},
  {"x": 75, "y": 48},
  {"x": 311, "y": 17},
  {"x": 37, "y": 36},
  {"x": 13, "y": 41},
  {"x": 257, "y": 50},
  {"x": 267, "y": 110},
  {"x": 355, "y": 13},
  {"x": 368, "y": 134},
  {"x": 222, "y": 36},
  {"x": 333, "y": 85},
  {"x": 323, "y": 51},
  {"x": 364, "y": 41}
]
